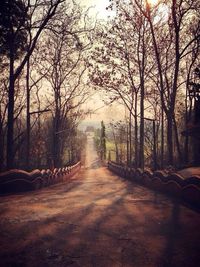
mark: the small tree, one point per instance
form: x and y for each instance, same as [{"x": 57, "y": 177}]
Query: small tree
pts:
[{"x": 103, "y": 141}]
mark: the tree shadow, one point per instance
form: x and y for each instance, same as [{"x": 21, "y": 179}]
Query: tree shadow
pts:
[
  {"x": 172, "y": 234},
  {"x": 102, "y": 233}
]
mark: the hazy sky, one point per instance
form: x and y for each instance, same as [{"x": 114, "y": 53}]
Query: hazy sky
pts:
[
  {"x": 102, "y": 112},
  {"x": 99, "y": 7}
]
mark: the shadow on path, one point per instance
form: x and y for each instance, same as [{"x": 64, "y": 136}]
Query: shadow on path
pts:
[{"x": 97, "y": 219}]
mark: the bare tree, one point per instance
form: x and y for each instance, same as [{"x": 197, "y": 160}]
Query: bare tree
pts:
[
  {"x": 170, "y": 48},
  {"x": 34, "y": 16},
  {"x": 122, "y": 69},
  {"x": 65, "y": 50}
]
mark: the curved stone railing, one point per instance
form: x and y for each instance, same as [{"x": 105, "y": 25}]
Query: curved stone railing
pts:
[
  {"x": 174, "y": 184},
  {"x": 19, "y": 181}
]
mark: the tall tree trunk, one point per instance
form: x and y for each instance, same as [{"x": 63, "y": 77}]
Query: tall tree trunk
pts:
[
  {"x": 136, "y": 135},
  {"x": 1, "y": 147},
  {"x": 127, "y": 145},
  {"x": 162, "y": 139},
  {"x": 141, "y": 157},
  {"x": 116, "y": 147},
  {"x": 39, "y": 137},
  {"x": 142, "y": 95},
  {"x": 10, "y": 130},
  {"x": 56, "y": 129},
  {"x": 116, "y": 153},
  {"x": 186, "y": 144},
  {"x": 178, "y": 147},
  {"x": 56, "y": 142},
  {"x": 28, "y": 119},
  {"x": 39, "y": 131},
  {"x": 154, "y": 146},
  {"x": 170, "y": 138},
  {"x": 130, "y": 138}
]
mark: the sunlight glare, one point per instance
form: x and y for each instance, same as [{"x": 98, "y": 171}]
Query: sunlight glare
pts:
[{"x": 152, "y": 2}]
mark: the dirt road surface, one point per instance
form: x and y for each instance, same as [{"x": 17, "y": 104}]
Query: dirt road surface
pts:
[{"x": 97, "y": 219}]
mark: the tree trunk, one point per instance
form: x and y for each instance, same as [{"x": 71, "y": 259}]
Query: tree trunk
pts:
[
  {"x": 141, "y": 157},
  {"x": 136, "y": 135},
  {"x": 39, "y": 137},
  {"x": 130, "y": 138},
  {"x": 116, "y": 147},
  {"x": 116, "y": 153},
  {"x": 186, "y": 144},
  {"x": 56, "y": 128},
  {"x": 1, "y": 147},
  {"x": 56, "y": 143},
  {"x": 154, "y": 146},
  {"x": 170, "y": 160},
  {"x": 178, "y": 147},
  {"x": 127, "y": 145},
  {"x": 28, "y": 119},
  {"x": 10, "y": 130}
]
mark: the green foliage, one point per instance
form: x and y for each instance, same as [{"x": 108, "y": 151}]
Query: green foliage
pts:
[
  {"x": 97, "y": 135},
  {"x": 110, "y": 147},
  {"x": 103, "y": 141},
  {"x": 100, "y": 141}
]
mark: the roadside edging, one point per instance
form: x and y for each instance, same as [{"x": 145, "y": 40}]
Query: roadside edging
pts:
[
  {"x": 173, "y": 184},
  {"x": 21, "y": 181}
]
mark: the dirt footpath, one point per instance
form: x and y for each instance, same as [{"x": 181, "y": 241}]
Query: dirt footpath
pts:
[{"x": 97, "y": 219}]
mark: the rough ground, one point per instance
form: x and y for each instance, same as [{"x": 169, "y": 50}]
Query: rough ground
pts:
[{"x": 97, "y": 219}]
